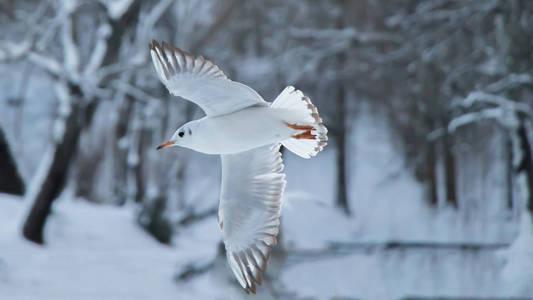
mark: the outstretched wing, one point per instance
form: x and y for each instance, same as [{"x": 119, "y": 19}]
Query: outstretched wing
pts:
[
  {"x": 249, "y": 211},
  {"x": 200, "y": 81}
]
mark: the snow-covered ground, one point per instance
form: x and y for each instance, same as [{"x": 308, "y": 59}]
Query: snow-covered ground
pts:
[
  {"x": 394, "y": 245},
  {"x": 92, "y": 252},
  {"x": 98, "y": 252}
]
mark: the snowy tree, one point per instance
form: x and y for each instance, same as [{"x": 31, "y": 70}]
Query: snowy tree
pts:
[{"x": 82, "y": 70}]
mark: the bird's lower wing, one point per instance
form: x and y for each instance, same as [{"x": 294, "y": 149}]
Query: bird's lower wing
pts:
[
  {"x": 200, "y": 81},
  {"x": 249, "y": 211}
]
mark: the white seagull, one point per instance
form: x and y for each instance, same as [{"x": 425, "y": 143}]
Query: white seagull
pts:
[{"x": 246, "y": 131}]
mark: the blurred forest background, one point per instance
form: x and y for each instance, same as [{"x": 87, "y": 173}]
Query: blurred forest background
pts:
[{"x": 425, "y": 189}]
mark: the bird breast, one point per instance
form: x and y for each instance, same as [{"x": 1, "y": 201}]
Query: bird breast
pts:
[{"x": 242, "y": 130}]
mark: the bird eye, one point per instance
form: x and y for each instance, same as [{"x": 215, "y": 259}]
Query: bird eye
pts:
[
  {"x": 180, "y": 133},
  {"x": 190, "y": 132}
]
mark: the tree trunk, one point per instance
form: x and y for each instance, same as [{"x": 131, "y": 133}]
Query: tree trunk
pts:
[
  {"x": 120, "y": 151},
  {"x": 10, "y": 180},
  {"x": 340, "y": 138},
  {"x": 430, "y": 174},
  {"x": 526, "y": 165},
  {"x": 56, "y": 177},
  {"x": 509, "y": 172},
  {"x": 139, "y": 175},
  {"x": 449, "y": 170}
]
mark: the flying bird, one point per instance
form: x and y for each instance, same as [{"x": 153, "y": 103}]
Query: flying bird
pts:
[{"x": 246, "y": 131}]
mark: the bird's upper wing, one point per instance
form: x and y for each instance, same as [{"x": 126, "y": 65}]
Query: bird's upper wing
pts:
[
  {"x": 200, "y": 81},
  {"x": 249, "y": 211}
]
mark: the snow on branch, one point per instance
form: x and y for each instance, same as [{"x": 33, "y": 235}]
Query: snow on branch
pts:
[
  {"x": 100, "y": 49},
  {"x": 49, "y": 64},
  {"x": 509, "y": 82},
  {"x": 12, "y": 51},
  {"x": 504, "y": 110},
  {"x": 64, "y": 110},
  {"x": 346, "y": 33},
  {"x": 71, "y": 60},
  {"x": 148, "y": 21},
  {"x": 138, "y": 58},
  {"x": 474, "y": 117},
  {"x": 429, "y": 16},
  {"x": 482, "y": 97},
  {"x": 428, "y": 12},
  {"x": 71, "y": 53},
  {"x": 155, "y": 14},
  {"x": 133, "y": 91},
  {"x": 116, "y": 8}
]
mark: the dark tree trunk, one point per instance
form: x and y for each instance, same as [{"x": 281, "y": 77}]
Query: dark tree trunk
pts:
[
  {"x": 526, "y": 165},
  {"x": 138, "y": 168},
  {"x": 340, "y": 137},
  {"x": 449, "y": 170},
  {"x": 152, "y": 218},
  {"x": 430, "y": 175},
  {"x": 10, "y": 180},
  {"x": 86, "y": 174},
  {"x": 342, "y": 197},
  {"x": 509, "y": 172},
  {"x": 55, "y": 179},
  {"x": 87, "y": 162},
  {"x": 340, "y": 140},
  {"x": 120, "y": 152}
]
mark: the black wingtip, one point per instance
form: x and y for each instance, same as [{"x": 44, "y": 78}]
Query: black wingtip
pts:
[{"x": 152, "y": 45}]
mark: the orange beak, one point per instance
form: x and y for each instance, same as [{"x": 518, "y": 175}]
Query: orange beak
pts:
[{"x": 165, "y": 144}]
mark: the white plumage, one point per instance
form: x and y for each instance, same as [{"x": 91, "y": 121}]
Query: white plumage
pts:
[
  {"x": 249, "y": 210},
  {"x": 202, "y": 82},
  {"x": 247, "y": 132}
]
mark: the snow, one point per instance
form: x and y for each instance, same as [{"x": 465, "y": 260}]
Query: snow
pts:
[
  {"x": 397, "y": 273},
  {"x": 47, "y": 63},
  {"x": 36, "y": 182},
  {"x": 481, "y": 97},
  {"x": 99, "y": 252},
  {"x": 393, "y": 245},
  {"x": 332, "y": 255},
  {"x": 310, "y": 225},
  {"x": 11, "y": 50},
  {"x": 70, "y": 49},
  {"x": 116, "y": 8},
  {"x": 509, "y": 82},
  {"x": 387, "y": 203},
  {"x": 92, "y": 252},
  {"x": 517, "y": 275}
]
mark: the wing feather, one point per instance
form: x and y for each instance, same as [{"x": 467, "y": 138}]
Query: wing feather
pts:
[
  {"x": 200, "y": 81},
  {"x": 249, "y": 211}
]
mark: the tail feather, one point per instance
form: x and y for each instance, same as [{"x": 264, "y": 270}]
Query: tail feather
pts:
[{"x": 310, "y": 133}]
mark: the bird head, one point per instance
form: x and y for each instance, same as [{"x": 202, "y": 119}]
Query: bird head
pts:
[{"x": 182, "y": 137}]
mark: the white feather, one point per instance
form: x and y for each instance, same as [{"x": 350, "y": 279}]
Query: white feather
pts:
[
  {"x": 249, "y": 211},
  {"x": 200, "y": 81}
]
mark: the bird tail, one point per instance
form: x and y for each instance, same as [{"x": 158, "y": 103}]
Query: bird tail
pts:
[{"x": 310, "y": 134}]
